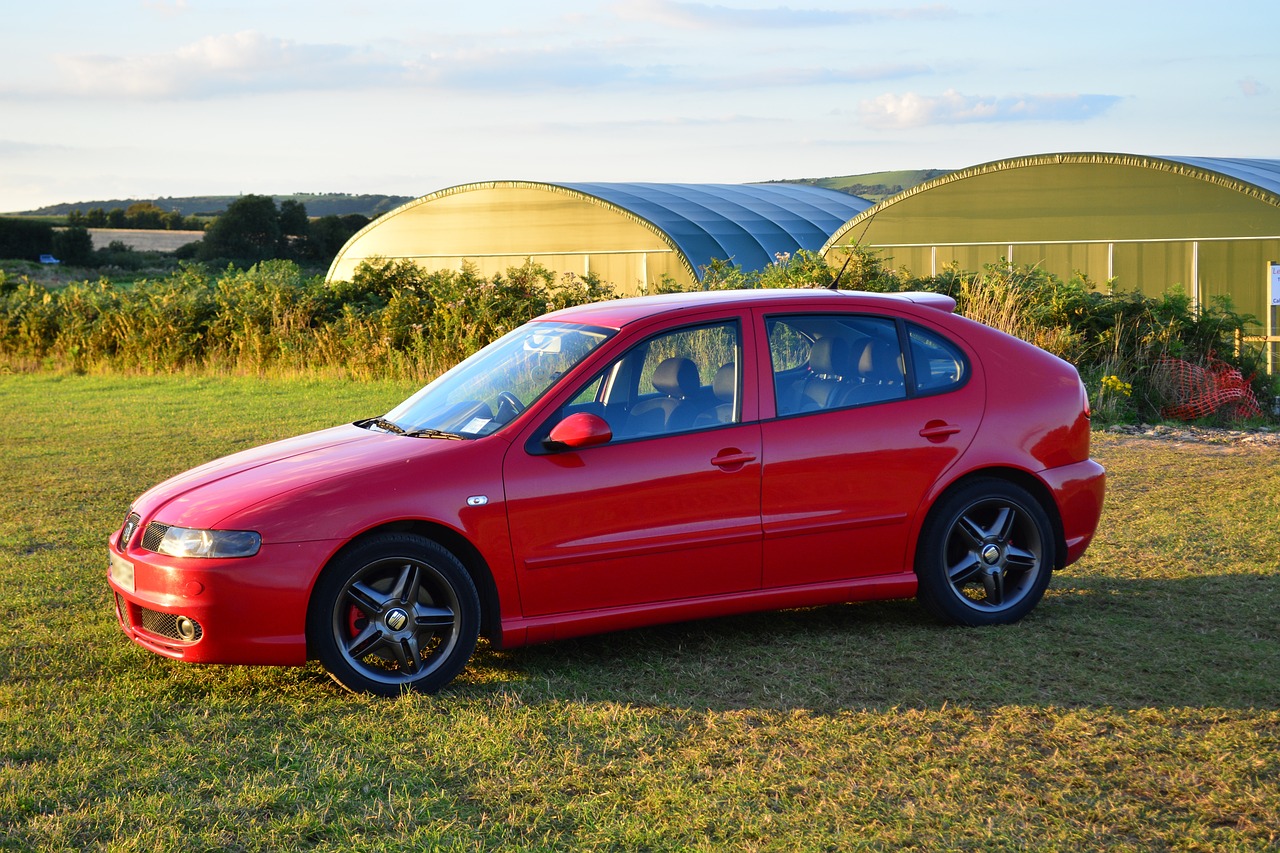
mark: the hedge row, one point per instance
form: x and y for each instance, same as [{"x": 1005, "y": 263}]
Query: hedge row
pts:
[
  {"x": 391, "y": 320},
  {"x": 395, "y": 320}
]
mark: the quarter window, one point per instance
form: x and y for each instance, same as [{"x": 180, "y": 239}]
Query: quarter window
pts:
[{"x": 938, "y": 365}]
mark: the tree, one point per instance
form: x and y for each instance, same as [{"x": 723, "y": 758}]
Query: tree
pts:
[
  {"x": 74, "y": 246},
  {"x": 293, "y": 218},
  {"x": 247, "y": 232},
  {"x": 329, "y": 234},
  {"x": 24, "y": 238},
  {"x": 144, "y": 214}
]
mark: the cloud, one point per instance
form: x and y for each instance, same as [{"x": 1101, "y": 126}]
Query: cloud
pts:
[
  {"x": 250, "y": 63},
  {"x": 704, "y": 16},
  {"x": 586, "y": 68},
  {"x": 218, "y": 65},
  {"x": 809, "y": 77},
  {"x": 166, "y": 8},
  {"x": 10, "y": 148},
  {"x": 505, "y": 70},
  {"x": 1251, "y": 88},
  {"x": 951, "y": 107}
]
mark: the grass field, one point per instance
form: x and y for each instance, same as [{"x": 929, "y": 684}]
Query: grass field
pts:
[{"x": 1138, "y": 708}]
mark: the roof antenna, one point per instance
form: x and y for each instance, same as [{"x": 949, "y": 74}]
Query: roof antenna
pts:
[{"x": 835, "y": 282}]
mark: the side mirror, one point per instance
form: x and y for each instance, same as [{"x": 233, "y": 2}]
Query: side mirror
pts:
[{"x": 580, "y": 430}]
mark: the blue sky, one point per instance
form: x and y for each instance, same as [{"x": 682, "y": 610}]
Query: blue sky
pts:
[{"x": 152, "y": 98}]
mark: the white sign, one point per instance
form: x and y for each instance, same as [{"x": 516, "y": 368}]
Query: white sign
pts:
[{"x": 1275, "y": 283}]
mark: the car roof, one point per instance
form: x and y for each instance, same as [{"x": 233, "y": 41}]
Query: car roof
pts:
[{"x": 616, "y": 313}]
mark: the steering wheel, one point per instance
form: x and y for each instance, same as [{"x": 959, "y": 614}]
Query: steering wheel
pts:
[{"x": 509, "y": 401}]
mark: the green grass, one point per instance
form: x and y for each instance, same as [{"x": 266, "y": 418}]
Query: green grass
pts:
[{"x": 1138, "y": 708}]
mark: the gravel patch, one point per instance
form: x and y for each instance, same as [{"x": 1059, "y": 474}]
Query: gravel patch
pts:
[{"x": 1186, "y": 434}]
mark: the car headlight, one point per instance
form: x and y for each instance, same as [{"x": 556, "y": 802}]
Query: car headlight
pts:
[{"x": 185, "y": 542}]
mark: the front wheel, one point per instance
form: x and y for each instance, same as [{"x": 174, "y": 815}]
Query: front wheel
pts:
[
  {"x": 985, "y": 554},
  {"x": 395, "y": 613}
]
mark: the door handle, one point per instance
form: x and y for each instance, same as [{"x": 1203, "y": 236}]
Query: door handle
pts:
[
  {"x": 733, "y": 459},
  {"x": 938, "y": 431}
]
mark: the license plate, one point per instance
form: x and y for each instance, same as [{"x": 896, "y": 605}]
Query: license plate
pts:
[{"x": 120, "y": 570}]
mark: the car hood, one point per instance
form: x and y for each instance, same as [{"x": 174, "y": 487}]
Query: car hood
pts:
[{"x": 205, "y": 495}]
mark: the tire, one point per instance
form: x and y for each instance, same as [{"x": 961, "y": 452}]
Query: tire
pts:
[
  {"x": 395, "y": 613},
  {"x": 985, "y": 555}
]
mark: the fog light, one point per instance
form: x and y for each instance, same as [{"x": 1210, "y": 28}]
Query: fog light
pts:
[{"x": 188, "y": 629}]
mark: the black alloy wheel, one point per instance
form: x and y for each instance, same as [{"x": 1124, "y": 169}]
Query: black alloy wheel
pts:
[
  {"x": 985, "y": 555},
  {"x": 396, "y": 612}
]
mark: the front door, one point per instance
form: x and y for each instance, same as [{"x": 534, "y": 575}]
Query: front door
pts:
[{"x": 669, "y": 509}]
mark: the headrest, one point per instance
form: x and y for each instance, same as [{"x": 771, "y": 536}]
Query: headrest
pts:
[
  {"x": 725, "y": 385},
  {"x": 830, "y": 357},
  {"x": 880, "y": 362},
  {"x": 677, "y": 377}
]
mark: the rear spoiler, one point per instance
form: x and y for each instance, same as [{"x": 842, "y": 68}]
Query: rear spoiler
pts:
[{"x": 940, "y": 301}]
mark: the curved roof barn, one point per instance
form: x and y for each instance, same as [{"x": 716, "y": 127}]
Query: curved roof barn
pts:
[
  {"x": 1206, "y": 227},
  {"x": 630, "y": 234}
]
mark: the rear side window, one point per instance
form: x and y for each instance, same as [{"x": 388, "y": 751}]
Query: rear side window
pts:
[
  {"x": 938, "y": 364},
  {"x": 834, "y": 361}
]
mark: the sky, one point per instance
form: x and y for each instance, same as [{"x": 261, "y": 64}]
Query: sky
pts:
[{"x": 146, "y": 99}]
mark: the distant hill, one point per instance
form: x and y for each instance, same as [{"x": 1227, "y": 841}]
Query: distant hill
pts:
[
  {"x": 873, "y": 186},
  {"x": 317, "y": 204}
]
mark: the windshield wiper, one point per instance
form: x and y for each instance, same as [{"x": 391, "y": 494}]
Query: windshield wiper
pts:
[
  {"x": 382, "y": 424},
  {"x": 427, "y": 432}
]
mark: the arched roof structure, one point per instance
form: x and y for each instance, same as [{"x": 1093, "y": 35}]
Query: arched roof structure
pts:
[
  {"x": 1205, "y": 226},
  {"x": 1030, "y": 195},
  {"x": 631, "y": 234}
]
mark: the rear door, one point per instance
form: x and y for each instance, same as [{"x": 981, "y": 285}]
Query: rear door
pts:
[{"x": 852, "y": 451}]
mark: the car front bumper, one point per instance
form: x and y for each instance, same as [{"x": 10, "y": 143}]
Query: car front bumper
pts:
[{"x": 250, "y": 610}]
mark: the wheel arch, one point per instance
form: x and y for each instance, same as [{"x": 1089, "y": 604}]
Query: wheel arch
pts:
[
  {"x": 470, "y": 557},
  {"x": 1018, "y": 477}
]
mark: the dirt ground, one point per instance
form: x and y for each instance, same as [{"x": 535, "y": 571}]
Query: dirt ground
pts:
[{"x": 1206, "y": 439}]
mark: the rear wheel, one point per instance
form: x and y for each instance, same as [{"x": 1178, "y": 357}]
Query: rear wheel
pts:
[
  {"x": 985, "y": 554},
  {"x": 395, "y": 613}
]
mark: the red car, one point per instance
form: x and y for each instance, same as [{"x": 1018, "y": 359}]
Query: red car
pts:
[{"x": 628, "y": 463}]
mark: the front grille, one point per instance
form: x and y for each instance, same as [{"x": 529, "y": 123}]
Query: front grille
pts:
[
  {"x": 153, "y": 534},
  {"x": 165, "y": 625},
  {"x": 122, "y": 611},
  {"x": 130, "y": 527}
]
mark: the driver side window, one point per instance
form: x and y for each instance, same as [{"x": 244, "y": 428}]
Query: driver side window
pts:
[{"x": 683, "y": 380}]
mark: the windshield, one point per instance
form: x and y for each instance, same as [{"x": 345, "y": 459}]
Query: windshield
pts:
[{"x": 489, "y": 389}]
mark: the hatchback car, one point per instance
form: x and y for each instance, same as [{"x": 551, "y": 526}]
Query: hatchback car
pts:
[{"x": 628, "y": 463}]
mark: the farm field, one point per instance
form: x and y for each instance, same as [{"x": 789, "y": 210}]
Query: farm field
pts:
[
  {"x": 1138, "y": 708},
  {"x": 144, "y": 240}
]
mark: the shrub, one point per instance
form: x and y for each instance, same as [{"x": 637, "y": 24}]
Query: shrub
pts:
[
  {"x": 1116, "y": 340},
  {"x": 395, "y": 319},
  {"x": 73, "y": 246}
]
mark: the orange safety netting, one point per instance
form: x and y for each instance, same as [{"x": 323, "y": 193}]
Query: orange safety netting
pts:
[{"x": 1200, "y": 390}]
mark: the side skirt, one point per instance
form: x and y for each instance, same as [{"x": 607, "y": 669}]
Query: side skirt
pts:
[{"x": 542, "y": 629}]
